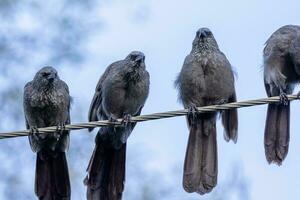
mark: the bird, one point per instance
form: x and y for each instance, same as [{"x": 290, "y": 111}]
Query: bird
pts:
[
  {"x": 206, "y": 78},
  {"x": 46, "y": 102},
  {"x": 281, "y": 61},
  {"x": 120, "y": 93}
]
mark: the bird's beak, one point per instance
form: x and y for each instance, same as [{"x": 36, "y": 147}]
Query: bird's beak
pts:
[
  {"x": 203, "y": 34},
  {"x": 140, "y": 58},
  {"x": 51, "y": 77}
]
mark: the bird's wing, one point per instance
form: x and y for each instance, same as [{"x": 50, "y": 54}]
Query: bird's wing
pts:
[
  {"x": 96, "y": 104},
  {"x": 27, "y": 124},
  {"x": 26, "y": 93},
  {"x": 65, "y": 86}
]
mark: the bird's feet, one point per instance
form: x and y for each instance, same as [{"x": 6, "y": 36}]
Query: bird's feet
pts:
[
  {"x": 192, "y": 113},
  {"x": 60, "y": 128},
  {"x": 283, "y": 99},
  {"x": 222, "y": 101},
  {"x": 126, "y": 120},
  {"x": 34, "y": 132}
]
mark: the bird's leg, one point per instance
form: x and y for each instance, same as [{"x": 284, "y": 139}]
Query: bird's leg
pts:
[
  {"x": 283, "y": 98},
  {"x": 111, "y": 119},
  {"x": 34, "y": 132},
  {"x": 192, "y": 113},
  {"x": 222, "y": 101},
  {"x": 126, "y": 120},
  {"x": 60, "y": 128}
]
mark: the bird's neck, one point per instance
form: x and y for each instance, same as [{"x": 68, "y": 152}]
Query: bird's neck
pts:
[
  {"x": 204, "y": 47},
  {"x": 44, "y": 88},
  {"x": 133, "y": 74}
]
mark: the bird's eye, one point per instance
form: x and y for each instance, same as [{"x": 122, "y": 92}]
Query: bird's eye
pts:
[
  {"x": 133, "y": 57},
  {"x": 208, "y": 33}
]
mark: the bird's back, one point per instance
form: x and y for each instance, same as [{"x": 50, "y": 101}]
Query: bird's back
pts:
[
  {"x": 280, "y": 41},
  {"x": 278, "y": 56}
]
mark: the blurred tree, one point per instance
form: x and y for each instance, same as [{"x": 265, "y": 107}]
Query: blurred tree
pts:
[{"x": 33, "y": 34}]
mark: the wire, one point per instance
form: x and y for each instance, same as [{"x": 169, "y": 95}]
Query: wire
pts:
[{"x": 155, "y": 116}]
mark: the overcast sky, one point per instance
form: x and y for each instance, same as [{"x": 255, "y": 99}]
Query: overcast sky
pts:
[{"x": 164, "y": 31}]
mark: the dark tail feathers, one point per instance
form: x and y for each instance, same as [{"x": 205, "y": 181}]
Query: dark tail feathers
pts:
[
  {"x": 201, "y": 160},
  {"x": 277, "y": 133},
  {"x": 106, "y": 172},
  {"x": 52, "y": 177},
  {"x": 230, "y": 122}
]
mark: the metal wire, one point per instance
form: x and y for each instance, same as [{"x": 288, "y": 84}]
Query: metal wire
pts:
[{"x": 155, "y": 116}]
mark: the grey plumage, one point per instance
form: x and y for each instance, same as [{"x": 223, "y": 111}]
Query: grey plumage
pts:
[
  {"x": 120, "y": 93},
  {"x": 281, "y": 73},
  {"x": 47, "y": 103},
  {"x": 206, "y": 78}
]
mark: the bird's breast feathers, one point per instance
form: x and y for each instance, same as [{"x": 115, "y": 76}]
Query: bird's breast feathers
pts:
[{"x": 46, "y": 98}]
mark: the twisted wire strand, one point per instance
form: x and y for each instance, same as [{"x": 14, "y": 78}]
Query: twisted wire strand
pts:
[{"x": 155, "y": 116}]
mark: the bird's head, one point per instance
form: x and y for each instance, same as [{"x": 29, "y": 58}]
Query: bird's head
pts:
[
  {"x": 136, "y": 59},
  {"x": 294, "y": 54},
  {"x": 46, "y": 76},
  {"x": 205, "y": 39}
]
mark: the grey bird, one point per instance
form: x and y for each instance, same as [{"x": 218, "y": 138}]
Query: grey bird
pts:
[
  {"x": 120, "y": 93},
  {"x": 206, "y": 78},
  {"x": 47, "y": 103},
  {"x": 281, "y": 72}
]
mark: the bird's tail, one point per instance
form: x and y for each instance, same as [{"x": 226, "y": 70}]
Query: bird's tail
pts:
[
  {"x": 106, "y": 172},
  {"x": 201, "y": 161},
  {"x": 52, "y": 177},
  {"x": 230, "y": 122},
  {"x": 277, "y": 133}
]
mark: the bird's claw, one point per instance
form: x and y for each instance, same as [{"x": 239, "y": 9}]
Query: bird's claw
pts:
[
  {"x": 192, "y": 113},
  {"x": 60, "y": 128},
  {"x": 34, "y": 131},
  {"x": 56, "y": 136},
  {"x": 126, "y": 119},
  {"x": 222, "y": 101},
  {"x": 283, "y": 99},
  {"x": 111, "y": 119}
]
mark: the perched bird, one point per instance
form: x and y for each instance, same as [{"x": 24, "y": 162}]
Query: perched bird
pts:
[
  {"x": 120, "y": 93},
  {"x": 47, "y": 103},
  {"x": 206, "y": 78},
  {"x": 281, "y": 73}
]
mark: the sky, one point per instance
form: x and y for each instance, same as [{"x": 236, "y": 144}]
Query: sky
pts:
[{"x": 164, "y": 31}]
